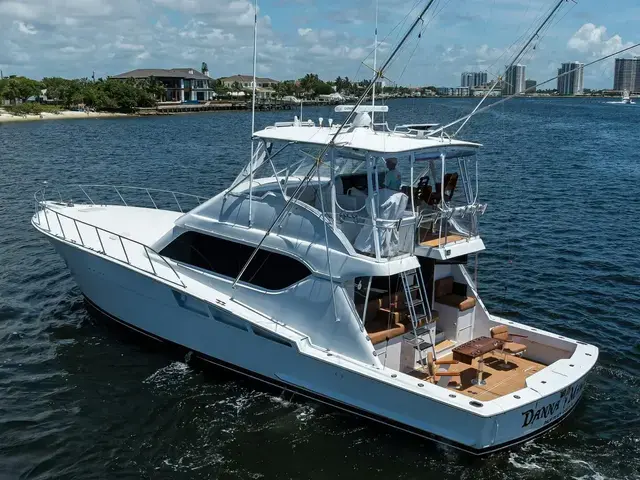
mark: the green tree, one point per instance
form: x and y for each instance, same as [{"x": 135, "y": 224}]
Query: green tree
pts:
[
  {"x": 279, "y": 90},
  {"x": 20, "y": 88},
  {"x": 308, "y": 83},
  {"x": 55, "y": 86},
  {"x": 322, "y": 88},
  {"x": 220, "y": 88},
  {"x": 288, "y": 87}
]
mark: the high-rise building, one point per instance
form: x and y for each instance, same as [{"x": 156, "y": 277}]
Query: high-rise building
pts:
[
  {"x": 627, "y": 74},
  {"x": 473, "y": 79},
  {"x": 514, "y": 80},
  {"x": 530, "y": 86},
  {"x": 466, "y": 79},
  {"x": 571, "y": 79},
  {"x": 479, "y": 79}
]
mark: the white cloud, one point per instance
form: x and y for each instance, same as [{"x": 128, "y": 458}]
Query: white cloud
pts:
[
  {"x": 71, "y": 37},
  {"x": 595, "y": 42},
  {"x": 25, "y": 28}
]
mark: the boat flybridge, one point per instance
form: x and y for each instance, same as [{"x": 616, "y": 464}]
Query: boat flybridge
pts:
[{"x": 336, "y": 266}]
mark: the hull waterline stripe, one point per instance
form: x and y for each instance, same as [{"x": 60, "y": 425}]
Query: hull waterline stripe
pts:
[{"x": 295, "y": 389}]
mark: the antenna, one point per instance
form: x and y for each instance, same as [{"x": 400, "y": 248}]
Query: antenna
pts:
[
  {"x": 253, "y": 101},
  {"x": 375, "y": 60}
]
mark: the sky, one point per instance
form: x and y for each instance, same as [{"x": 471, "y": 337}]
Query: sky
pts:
[{"x": 73, "y": 38}]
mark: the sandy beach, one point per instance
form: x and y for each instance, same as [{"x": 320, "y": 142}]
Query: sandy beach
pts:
[{"x": 64, "y": 114}]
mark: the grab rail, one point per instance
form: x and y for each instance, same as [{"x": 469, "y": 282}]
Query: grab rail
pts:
[
  {"x": 461, "y": 220},
  {"x": 42, "y": 207},
  {"x": 148, "y": 191}
]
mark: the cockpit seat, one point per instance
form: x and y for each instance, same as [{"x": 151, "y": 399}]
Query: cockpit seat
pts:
[
  {"x": 444, "y": 293},
  {"x": 382, "y": 328}
]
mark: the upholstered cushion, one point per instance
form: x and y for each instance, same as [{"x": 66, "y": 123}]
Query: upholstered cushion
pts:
[
  {"x": 500, "y": 332},
  {"x": 460, "y": 302},
  {"x": 382, "y": 328},
  {"x": 513, "y": 348}
]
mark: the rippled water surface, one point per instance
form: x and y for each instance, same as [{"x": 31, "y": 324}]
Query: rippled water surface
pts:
[{"x": 80, "y": 399}]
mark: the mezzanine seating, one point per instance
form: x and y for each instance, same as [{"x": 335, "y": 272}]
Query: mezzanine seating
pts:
[
  {"x": 444, "y": 293},
  {"x": 388, "y": 317}
]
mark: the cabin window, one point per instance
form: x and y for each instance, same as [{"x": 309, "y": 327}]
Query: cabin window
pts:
[{"x": 269, "y": 270}]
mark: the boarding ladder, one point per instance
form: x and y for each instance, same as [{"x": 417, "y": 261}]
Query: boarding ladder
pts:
[{"x": 417, "y": 304}]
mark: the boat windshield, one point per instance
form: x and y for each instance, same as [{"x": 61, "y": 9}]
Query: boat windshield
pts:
[{"x": 380, "y": 203}]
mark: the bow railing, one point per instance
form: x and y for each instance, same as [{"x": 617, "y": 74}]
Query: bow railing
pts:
[
  {"x": 100, "y": 240},
  {"x": 125, "y": 195}
]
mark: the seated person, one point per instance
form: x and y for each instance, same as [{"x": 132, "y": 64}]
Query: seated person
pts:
[{"x": 393, "y": 179}]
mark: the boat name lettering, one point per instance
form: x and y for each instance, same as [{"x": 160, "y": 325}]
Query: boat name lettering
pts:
[{"x": 550, "y": 411}]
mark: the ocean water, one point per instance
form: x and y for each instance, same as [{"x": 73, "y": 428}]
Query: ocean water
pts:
[{"x": 81, "y": 399}]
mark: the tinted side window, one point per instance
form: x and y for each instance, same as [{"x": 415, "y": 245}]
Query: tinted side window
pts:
[{"x": 267, "y": 270}]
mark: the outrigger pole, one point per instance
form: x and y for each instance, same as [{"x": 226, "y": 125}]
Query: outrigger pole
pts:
[
  {"x": 375, "y": 60},
  {"x": 253, "y": 101},
  {"x": 331, "y": 143},
  {"x": 513, "y": 62}
]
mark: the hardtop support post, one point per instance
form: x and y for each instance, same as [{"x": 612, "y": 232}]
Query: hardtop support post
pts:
[{"x": 373, "y": 204}]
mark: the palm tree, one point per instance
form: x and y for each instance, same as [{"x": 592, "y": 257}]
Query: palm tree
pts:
[{"x": 309, "y": 82}]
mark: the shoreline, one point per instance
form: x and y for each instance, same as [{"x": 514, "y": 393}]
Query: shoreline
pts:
[{"x": 6, "y": 117}]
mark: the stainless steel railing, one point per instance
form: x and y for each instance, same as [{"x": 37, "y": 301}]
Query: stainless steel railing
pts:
[
  {"x": 461, "y": 221},
  {"x": 42, "y": 209},
  {"x": 121, "y": 191}
]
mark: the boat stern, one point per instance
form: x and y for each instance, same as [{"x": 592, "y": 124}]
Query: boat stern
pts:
[{"x": 549, "y": 397}]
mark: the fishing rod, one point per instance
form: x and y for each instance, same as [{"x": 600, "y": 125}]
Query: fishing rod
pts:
[{"x": 331, "y": 142}]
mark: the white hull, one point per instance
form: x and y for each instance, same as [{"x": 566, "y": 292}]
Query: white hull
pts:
[{"x": 147, "y": 304}]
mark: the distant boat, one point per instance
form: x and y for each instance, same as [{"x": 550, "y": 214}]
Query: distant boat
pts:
[{"x": 625, "y": 100}]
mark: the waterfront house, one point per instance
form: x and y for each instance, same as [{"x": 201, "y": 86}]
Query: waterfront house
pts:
[
  {"x": 182, "y": 84},
  {"x": 246, "y": 81}
]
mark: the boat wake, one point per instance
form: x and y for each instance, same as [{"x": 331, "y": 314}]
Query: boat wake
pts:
[
  {"x": 169, "y": 376},
  {"x": 534, "y": 457}
]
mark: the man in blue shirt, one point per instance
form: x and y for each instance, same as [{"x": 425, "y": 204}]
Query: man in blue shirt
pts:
[{"x": 392, "y": 179}]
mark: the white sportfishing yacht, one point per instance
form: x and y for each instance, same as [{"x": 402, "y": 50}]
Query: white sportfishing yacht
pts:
[
  {"x": 313, "y": 273},
  {"x": 626, "y": 98}
]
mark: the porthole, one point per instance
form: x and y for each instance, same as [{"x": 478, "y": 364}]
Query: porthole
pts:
[
  {"x": 517, "y": 397},
  {"x": 421, "y": 384},
  {"x": 475, "y": 404},
  {"x": 452, "y": 395},
  {"x": 543, "y": 381}
]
